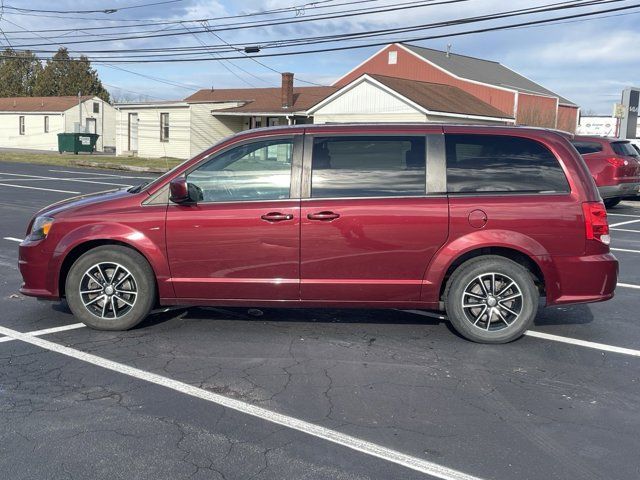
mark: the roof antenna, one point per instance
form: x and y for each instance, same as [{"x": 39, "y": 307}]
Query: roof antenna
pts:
[{"x": 448, "y": 50}]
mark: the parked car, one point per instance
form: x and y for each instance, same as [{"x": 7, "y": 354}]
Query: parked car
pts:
[
  {"x": 477, "y": 221},
  {"x": 614, "y": 164}
]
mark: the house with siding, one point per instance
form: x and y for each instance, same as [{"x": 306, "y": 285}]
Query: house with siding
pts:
[
  {"x": 517, "y": 96},
  {"x": 185, "y": 128},
  {"x": 34, "y": 122}
]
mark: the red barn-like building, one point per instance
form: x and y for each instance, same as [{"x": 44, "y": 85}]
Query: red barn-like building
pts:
[{"x": 508, "y": 91}]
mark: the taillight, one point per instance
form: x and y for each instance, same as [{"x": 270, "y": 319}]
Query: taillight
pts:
[
  {"x": 617, "y": 161},
  {"x": 595, "y": 220}
]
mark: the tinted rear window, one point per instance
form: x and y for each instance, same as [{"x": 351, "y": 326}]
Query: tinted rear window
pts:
[
  {"x": 368, "y": 166},
  {"x": 624, "y": 148},
  {"x": 497, "y": 163},
  {"x": 585, "y": 148}
]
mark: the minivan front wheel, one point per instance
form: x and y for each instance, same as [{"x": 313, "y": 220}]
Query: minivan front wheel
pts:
[
  {"x": 491, "y": 299},
  {"x": 110, "y": 287}
]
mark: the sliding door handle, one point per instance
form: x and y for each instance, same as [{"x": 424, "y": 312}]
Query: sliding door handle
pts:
[{"x": 323, "y": 216}]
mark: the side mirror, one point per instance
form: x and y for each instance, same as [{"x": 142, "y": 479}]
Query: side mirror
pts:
[{"x": 179, "y": 190}]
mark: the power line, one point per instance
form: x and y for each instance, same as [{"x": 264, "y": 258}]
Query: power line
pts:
[
  {"x": 117, "y": 67},
  {"x": 414, "y": 39},
  {"x": 279, "y": 44},
  {"x": 222, "y": 63},
  {"x": 206, "y": 25},
  {"x": 104, "y": 10},
  {"x": 249, "y": 25},
  {"x": 296, "y": 8}
]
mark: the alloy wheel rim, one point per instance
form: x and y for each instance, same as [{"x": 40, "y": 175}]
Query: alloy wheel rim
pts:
[
  {"x": 492, "y": 302},
  {"x": 108, "y": 290}
]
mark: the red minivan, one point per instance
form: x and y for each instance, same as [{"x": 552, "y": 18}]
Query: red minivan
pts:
[{"x": 476, "y": 221}]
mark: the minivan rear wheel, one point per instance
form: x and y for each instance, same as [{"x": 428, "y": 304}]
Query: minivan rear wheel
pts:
[
  {"x": 491, "y": 299},
  {"x": 110, "y": 287}
]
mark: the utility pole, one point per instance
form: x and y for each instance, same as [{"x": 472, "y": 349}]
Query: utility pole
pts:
[{"x": 79, "y": 113}]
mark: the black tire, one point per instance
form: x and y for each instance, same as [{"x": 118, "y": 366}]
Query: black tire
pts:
[
  {"x": 465, "y": 281},
  {"x": 612, "y": 202},
  {"x": 141, "y": 280}
]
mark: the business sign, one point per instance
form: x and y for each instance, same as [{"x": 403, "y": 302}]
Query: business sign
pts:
[
  {"x": 629, "y": 123},
  {"x": 601, "y": 126}
]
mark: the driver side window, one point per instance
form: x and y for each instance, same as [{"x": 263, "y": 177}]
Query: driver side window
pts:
[{"x": 253, "y": 171}]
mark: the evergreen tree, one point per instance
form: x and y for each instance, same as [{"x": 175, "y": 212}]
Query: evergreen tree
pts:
[
  {"x": 18, "y": 73},
  {"x": 63, "y": 75}
]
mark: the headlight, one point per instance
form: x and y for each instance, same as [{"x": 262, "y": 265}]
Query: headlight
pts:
[{"x": 40, "y": 228}]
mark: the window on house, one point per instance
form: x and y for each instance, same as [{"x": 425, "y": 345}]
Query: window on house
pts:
[
  {"x": 164, "y": 127},
  {"x": 46, "y": 124},
  {"x": 96, "y": 107},
  {"x": 21, "y": 125},
  {"x": 393, "y": 57}
]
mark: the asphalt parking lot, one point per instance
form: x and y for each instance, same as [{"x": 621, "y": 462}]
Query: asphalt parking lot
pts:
[{"x": 219, "y": 393}]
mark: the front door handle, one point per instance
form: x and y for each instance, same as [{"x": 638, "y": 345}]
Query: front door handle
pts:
[
  {"x": 324, "y": 216},
  {"x": 276, "y": 217}
]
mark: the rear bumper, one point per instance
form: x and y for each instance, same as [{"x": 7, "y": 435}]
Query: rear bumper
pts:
[
  {"x": 34, "y": 262},
  {"x": 586, "y": 279},
  {"x": 630, "y": 189}
]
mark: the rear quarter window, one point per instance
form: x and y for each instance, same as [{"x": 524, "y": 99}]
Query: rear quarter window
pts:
[
  {"x": 585, "y": 148},
  {"x": 500, "y": 163}
]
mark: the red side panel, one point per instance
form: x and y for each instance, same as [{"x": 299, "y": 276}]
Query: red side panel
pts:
[
  {"x": 567, "y": 118},
  {"x": 536, "y": 110}
]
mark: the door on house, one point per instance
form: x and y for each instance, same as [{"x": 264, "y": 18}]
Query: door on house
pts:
[
  {"x": 90, "y": 125},
  {"x": 133, "y": 132}
]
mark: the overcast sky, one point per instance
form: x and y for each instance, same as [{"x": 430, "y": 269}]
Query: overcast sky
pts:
[{"x": 589, "y": 62}]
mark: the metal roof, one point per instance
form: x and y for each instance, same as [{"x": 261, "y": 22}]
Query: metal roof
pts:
[{"x": 485, "y": 71}]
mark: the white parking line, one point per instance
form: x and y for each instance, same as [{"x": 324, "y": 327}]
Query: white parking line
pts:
[
  {"x": 13, "y": 239},
  {"x": 67, "y": 179},
  {"x": 628, "y": 285},
  {"x": 622, "y": 215},
  {"x": 37, "y": 188},
  {"x": 46, "y": 331},
  {"x": 624, "y": 250},
  {"x": 624, "y": 223},
  {"x": 101, "y": 174},
  {"x": 584, "y": 343},
  {"x": 354, "y": 443}
]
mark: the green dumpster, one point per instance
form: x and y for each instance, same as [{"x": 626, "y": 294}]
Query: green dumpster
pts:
[{"x": 77, "y": 142}]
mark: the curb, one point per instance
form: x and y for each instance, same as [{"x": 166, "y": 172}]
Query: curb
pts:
[{"x": 117, "y": 166}]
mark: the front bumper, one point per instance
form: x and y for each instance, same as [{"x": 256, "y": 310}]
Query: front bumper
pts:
[
  {"x": 631, "y": 189},
  {"x": 34, "y": 262},
  {"x": 585, "y": 279}
]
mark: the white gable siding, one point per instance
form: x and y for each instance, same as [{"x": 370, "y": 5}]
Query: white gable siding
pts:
[
  {"x": 207, "y": 129},
  {"x": 34, "y": 136},
  {"x": 366, "y": 97},
  {"x": 149, "y": 144},
  {"x": 104, "y": 119}
]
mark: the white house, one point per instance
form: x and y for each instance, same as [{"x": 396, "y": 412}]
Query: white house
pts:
[
  {"x": 184, "y": 128},
  {"x": 379, "y": 98},
  {"x": 34, "y": 122}
]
